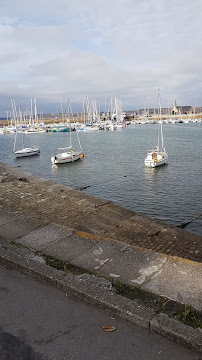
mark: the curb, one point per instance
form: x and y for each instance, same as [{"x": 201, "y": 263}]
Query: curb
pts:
[{"x": 98, "y": 291}]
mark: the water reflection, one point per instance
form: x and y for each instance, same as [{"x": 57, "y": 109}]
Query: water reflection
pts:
[{"x": 149, "y": 173}]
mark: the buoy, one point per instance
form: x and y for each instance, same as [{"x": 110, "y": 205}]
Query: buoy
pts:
[{"x": 82, "y": 156}]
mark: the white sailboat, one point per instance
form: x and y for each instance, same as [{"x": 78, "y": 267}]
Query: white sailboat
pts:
[
  {"x": 27, "y": 152},
  {"x": 68, "y": 155},
  {"x": 24, "y": 152},
  {"x": 158, "y": 156}
]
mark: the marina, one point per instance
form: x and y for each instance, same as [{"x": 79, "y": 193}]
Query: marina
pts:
[{"x": 113, "y": 169}]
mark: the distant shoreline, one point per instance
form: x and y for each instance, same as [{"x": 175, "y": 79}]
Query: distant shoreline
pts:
[{"x": 56, "y": 119}]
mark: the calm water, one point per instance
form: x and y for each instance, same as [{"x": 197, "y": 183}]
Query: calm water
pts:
[{"x": 113, "y": 168}]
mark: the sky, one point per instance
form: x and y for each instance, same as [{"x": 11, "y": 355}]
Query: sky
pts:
[{"x": 54, "y": 50}]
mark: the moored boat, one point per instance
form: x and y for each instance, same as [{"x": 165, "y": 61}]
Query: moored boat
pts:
[
  {"x": 158, "y": 156},
  {"x": 68, "y": 155},
  {"x": 27, "y": 152},
  {"x": 23, "y": 152}
]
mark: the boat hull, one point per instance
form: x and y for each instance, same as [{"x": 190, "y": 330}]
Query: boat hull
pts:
[
  {"x": 155, "y": 159},
  {"x": 67, "y": 157},
  {"x": 26, "y": 152}
]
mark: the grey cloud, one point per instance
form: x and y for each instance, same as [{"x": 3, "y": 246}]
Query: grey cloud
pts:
[{"x": 125, "y": 49}]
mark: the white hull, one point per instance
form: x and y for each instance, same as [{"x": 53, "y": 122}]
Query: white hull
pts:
[
  {"x": 156, "y": 158},
  {"x": 26, "y": 152},
  {"x": 92, "y": 128},
  {"x": 40, "y": 131},
  {"x": 119, "y": 126},
  {"x": 66, "y": 157},
  {"x": 113, "y": 127}
]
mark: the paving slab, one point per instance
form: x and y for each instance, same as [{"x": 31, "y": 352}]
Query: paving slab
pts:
[
  {"x": 96, "y": 257},
  {"x": 7, "y": 218},
  {"x": 69, "y": 247},
  {"x": 180, "y": 280},
  {"x": 133, "y": 266},
  {"x": 14, "y": 227},
  {"x": 41, "y": 238}
]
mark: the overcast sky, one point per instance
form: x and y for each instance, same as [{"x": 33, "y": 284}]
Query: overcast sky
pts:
[{"x": 53, "y": 49}]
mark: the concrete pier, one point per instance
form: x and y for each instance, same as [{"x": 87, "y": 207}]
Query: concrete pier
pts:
[{"x": 47, "y": 202}]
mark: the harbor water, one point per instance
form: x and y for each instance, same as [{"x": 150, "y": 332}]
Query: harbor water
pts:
[{"x": 113, "y": 168}]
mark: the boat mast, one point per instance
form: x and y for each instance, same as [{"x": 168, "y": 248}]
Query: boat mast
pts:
[
  {"x": 84, "y": 113},
  {"x": 158, "y": 116},
  {"x": 62, "y": 110},
  {"x": 35, "y": 113},
  {"x": 31, "y": 114},
  {"x": 162, "y": 145},
  {"x": 20, "y": 116},
  {"x": 69, "y": 118}
]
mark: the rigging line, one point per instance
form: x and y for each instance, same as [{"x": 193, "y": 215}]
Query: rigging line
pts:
[
  {"x": 78, "y": 137},
  {"x": 14, "y": 145},
  {"x": 182, "y": 226},
  {"x": 71, "y": 114}
]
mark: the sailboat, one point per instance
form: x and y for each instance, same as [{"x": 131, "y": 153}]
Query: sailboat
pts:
[
  {"x": 27, "y": 152},
  {"x": 68, "y": 155},
  {"x": 158, "y": 156},
  {"x": 24, "y": 152}
]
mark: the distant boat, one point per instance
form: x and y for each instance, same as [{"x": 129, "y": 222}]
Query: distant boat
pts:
[
  {"x": 81, "y": 128},
  {"x": 24, "y": 152},
  {"x": 32, "y": 130},
  {"x": 91, "y": 127},
  {"x": 68, "y": 155},
  {"x": 158, "y": 156}
]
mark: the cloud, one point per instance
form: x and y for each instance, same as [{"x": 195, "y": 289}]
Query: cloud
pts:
[{"x": 125, "y": 49}]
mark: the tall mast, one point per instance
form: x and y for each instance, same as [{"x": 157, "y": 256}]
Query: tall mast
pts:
[
  {"x": 31, "y": 114},
  {"x": 20, "y": 116},
  {"x": 35, "y": 113},
  {"x": 84, "y": 114},
  {"x": 158, "y": 116},
  {"x": 70, "y": 129},
  {"x": 162, "y": 146},
  {"x": 62, "y": 109}
]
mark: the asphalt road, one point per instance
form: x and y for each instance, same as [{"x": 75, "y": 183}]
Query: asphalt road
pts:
[{"x": 39, "y": 322}]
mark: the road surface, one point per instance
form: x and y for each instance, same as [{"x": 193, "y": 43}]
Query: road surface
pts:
[{"x": 40, "y": 322}]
